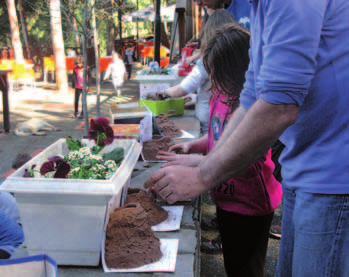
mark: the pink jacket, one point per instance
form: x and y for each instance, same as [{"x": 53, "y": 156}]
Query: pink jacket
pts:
[{"x": 260, "y": 193}]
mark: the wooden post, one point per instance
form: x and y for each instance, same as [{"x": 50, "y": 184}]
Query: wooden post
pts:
[{"x": 157, "y": 39}]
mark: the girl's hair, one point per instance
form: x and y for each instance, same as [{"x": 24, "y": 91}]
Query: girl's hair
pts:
[
  {"x": 226, "y": 60},
  {"x": 78, "y": 60},
  {"x": 214, "y": 22}
]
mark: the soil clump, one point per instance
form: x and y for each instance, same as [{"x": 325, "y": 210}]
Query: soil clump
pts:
[
  {"x": 152, "y": 147},
  {"x": 156, "y": 214},
  {"x": 130, "y": 241},
  {"x": 167, "y": 127}
]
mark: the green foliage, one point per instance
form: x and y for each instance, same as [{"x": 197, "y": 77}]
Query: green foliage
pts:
[
  {"x": 117, "y": 155},
  {"x": 5, "y": 37},
  {"x": 36, "y": 14},
  {"x": 74, "y": 144}
]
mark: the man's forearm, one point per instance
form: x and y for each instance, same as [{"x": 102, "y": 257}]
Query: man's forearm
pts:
[{"x": 247, "y": 137}]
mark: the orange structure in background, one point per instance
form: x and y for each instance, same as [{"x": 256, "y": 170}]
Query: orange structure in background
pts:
[
  {"x": 164, "y": 62},
  {"x": 69, "y": 63},
  {"x": 104, "y": 62},
  {"x": 22, "y": 73}
]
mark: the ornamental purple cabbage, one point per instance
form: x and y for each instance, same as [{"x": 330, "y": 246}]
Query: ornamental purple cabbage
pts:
[{"x": 100, "y": 131}]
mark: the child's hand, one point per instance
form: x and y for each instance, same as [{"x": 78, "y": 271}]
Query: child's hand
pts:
[
  {"x": 182, "y": 148},
  {"x": 162, "y": 94},
  {"x": 178, "y": 159}
]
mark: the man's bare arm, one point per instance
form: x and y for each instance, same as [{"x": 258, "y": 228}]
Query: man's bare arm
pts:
[{"x": 247, "y": 137}]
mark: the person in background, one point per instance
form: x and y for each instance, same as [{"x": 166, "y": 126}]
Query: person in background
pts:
[
  {"x": 72, "y": 53},
  {"x": 11, "y": 231},
  {"x": 78, "y": 82},
  {"x": 117, "y": 71},
  {"x": 198, "y": 79},
  {"x": 245, "y": 204},
  {"x": 129, "y": 59},
  {"x": 296, "y": 90}
]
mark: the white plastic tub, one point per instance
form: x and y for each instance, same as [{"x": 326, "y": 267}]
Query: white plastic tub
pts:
[
  {"x": 64, "y": 218},
  {"x": 150, "y": 84}
]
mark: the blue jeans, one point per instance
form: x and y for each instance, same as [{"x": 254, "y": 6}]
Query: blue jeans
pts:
[{"x": 315, "y": 235}]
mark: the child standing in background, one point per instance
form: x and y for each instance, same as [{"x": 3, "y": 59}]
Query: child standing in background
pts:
[
  {"x": 117, "y": 70},
  {"x": 129, "y": 58},
  {"x": 78, "y": 81}
]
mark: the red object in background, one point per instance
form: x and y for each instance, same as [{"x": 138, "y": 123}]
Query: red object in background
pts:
[
  {"x": 164, "y": 63},
  {"x": 148, "y": 52},
  {"x": 187, "y": 51},
  {"x": 149, "y": 43},
  {"x": 104, "y": 62},
  {"x": 69, "y": 63},
  {"x": 184, "y": 69},
  {"x": 140, "y": 48}
]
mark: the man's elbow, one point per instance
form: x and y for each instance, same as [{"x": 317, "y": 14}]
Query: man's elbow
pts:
[
  {"x": 285, "y": 114},
  {"x": 289, "y": 113}
]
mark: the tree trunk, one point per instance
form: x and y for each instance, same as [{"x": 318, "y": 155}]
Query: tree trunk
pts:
[
  {"x": 24, "y": 29},
  {"x": 120, "y": 20},
  {"x": 84, "y": 53},
  {"x": 58, "y": 46},
  {"x": 95, "y": 43},
  {"x": 16, "y": 41},
  {"x": 75, "y": 25},
  {"x": 111, "y": 29}
]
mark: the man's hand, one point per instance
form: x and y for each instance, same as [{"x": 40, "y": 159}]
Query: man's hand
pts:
[
  {"x": 178, "y": 159},
  {"x": 176, "y": 183}
]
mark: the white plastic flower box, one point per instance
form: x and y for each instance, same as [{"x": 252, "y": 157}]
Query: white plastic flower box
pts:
[{"x": 64, "y": 218}]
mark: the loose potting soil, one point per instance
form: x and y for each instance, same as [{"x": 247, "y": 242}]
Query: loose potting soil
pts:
[
  {"x": 130, "y": 241},
  {"x": 152, "y": 147},
  {"x": 156, "y": 214},
  {"x": 167, "y": 127}
]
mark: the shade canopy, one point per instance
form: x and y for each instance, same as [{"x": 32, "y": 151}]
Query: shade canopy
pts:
[{"x": 148, "y": 14}]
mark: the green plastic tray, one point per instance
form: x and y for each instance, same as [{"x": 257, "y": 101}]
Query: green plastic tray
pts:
[{"x": 170, "y": 107}]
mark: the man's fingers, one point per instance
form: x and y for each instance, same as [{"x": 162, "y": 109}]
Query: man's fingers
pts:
[
  {"x": 172, "y": 198},
  {"x": 170, "y": 164},
  {"x": 155, "y": 177},
  {"x": 164, "y": 153},
  {"x": 165, "y": 192},
  {"x": 175, "y": 148},
  {"x": 165, "y": 158}
]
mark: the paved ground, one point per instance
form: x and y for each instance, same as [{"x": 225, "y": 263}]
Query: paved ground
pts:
[{"x": 44, "y": 102}]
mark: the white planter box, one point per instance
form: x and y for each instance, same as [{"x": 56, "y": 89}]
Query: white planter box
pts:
[{"x": 64, "y": 218}]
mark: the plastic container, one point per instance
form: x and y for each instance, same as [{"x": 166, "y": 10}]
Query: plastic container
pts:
[
  {"x": 150, "y": 84},
  {"x": 64, "y": 218},
  {"x": 132, "y": 115},
  {"x": 170, "y": 107},
  {"x": 32, "y": 266}
]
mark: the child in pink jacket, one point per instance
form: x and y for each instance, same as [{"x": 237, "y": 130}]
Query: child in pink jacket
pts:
[{"x": 245, "y": 205}]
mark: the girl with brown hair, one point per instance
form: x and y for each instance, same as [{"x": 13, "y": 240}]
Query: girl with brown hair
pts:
[{"x": 245, "y": 204}]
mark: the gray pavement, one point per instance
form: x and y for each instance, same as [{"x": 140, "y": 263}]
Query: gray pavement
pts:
[{"x": 45, "y": 103}]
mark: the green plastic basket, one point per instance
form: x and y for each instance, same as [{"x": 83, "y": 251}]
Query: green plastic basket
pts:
[{"x": 170, "y": 107}]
